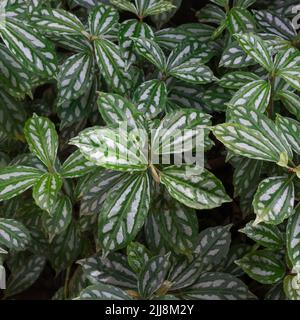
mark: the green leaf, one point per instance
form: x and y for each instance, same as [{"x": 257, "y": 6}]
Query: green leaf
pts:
[
  {"x": 60, "y": 217},
  {"x": 266, "y": 235},
  {"x": 150, "y": 98},
  {"x": 291, "y": 130},
  {"x": 274, "y": 200},
  {"x": 149, "y": 7},
  {"x": 115, "y": 109},
  {"x": 14, "y": 235},
  {"x": 179, "y": 131},
  {"x": 137, "y": 256},
  {"x": 211, "y": 14},
  {"x": 96, "y": 190},
  {"x": 291, "y": 101},
  {"x": 234, "y": 57},
  {"x": 290, "y": 291},
  {"x": 237, "y": 79},
  {"x": 102, "y": 19},
  {"x": 103, "y": 292},
  {"x": 17, "y": 179},
  {"x": 13, "y": 78},
  {"x": 287, "y": 59},
  {"x": 213, "y": 244},
  {"x": 31, "y": 49},
  {"x": 255, "y": 94},
  {"x": 25, "y": 276},
  {"x": 45, "y": 190},
  {"x": 57, "y": 22},
  {"x": 112, "y": 66},
  {"x": 151, "y": 51},
  {"x": 75, "y": 76},
  {"x": 76, "y": 166},
  {"x": 217, "y": 286},
  {"x": 65, "y": 248},
  {"x": 178, "y": 224},
  {"x": 240, "y": 20},
  {"x": 291, "y": 76},
  {"x": 199, "y": 190},
  {"x": 125, "y": 5},
  {"x": 113, "y": 148},
  {"x": 113, "y": 269},
  {"x": 42, "y": 139},
  {"x": 153, "y": 275},
  {"x": 262, "y": 266},
  {"x": 124, "y": 211},
  {"x": 293, "y": 239},
  {"x": 254, "y": 46},
  {"x": 275, "y": 24}
]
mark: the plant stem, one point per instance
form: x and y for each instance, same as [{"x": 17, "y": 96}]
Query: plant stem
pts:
[
  {"x": 66, "y": 285},
  {"x": 154, "y": 173}
]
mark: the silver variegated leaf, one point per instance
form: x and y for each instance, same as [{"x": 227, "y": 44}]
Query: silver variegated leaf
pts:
[
  {"x": 124, "y": 211},
  {"x": 291, "y": 290},
  {"x": 274, "y": 200},
  {"x": 60, "y": 217},
  {"x": 262, "y": 266},
  {"x": 102, "y": 19},
  {"x": 113, "y": 269},
  {"x": 255, "y": 94},
  {"x": 125, "y": 5},
  {"x": 45, "y": 190},
  {"x": 291, "y": 101},
  {"x": 150, "y": 98},
  {"x": 25, "y": 276},
  {"x": 103, "y": 292},
  {"x": 151, "y": 51},
  {"x": 254, "y": 46},
  {"x": 113, "y": 148},
  {"x": 293, "y": 239},
  {"x": 237, "y": 79},
  {"x": 76, "y": 165},
  {"x": 13, "y": 234},
  {"x": 213, "y": 244},
  {"x": 42, "y": 139},
  {"x": 266, "y": 235},
  {"x": 240, "y": 20},
  {"x": 17, "y": 179},
  {"x": 217, "y": 286},
  {"x": 152, "y": 276},
  {"x": 29, "y": 47},
  {"x": 195, "y": 189},
  {"x": 75, "y": 76},
  {"x": 291, "y": 76}
]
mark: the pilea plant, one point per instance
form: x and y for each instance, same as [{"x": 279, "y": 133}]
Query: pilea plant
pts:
[{"x": 103, "y": 106}]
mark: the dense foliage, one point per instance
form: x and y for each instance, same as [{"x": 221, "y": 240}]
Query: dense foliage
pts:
[{"x": 100, "y": 225}]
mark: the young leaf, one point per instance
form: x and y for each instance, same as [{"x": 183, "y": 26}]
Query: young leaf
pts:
[
  {"x": 42, "y": 139},
  {"x": 75, "y": 76},
  {"x": 193, "y": 189},
  {"x": 153, "y": 275},
  {"x": 266, "y": 235},
  {"x": 256, "y": 49},
  {"x": 103, "y": 292},
  {"x": 45, "y": 190},
  {"x": 217, "y": 286},
  {"x": 30, "y": 48},
  {"x": 240, "y": 20},
  {"x": 124, "y": 211},
  {"x": 13, "y": 234},
  {"x": 150, "y": 98},
  {"x": 17, "y": 179},
  {"x": 262, "y": 266},
  {"x": 137, "y": 256},
  {"x": 274, "y": 200},
  {"x": 102, "y": 19},
  {"x": 290, "y": 291},
  {"x": 255, "y": 94},
  {"x": 293, "y": 238}
]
